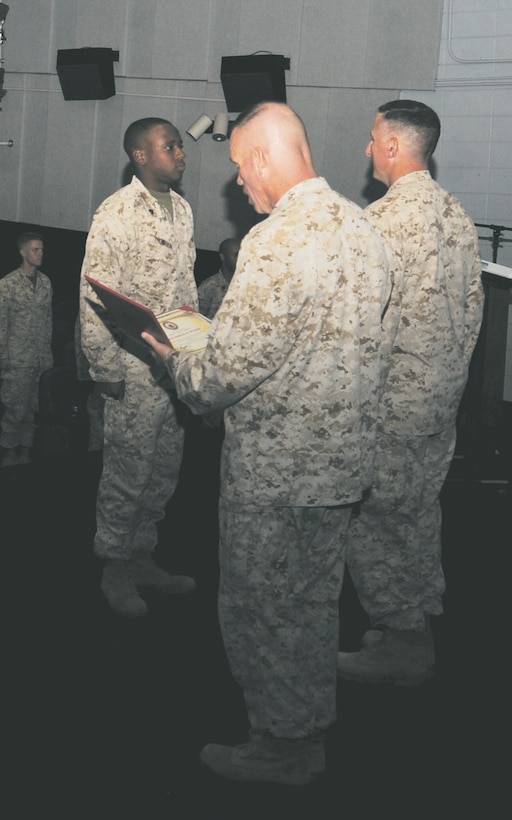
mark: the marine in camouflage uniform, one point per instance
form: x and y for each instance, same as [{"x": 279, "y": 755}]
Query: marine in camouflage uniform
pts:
[
  {"x": 25, "y": 347},
  {"x": 141, "y": 244},
  {"x": 212, "y": 290},
  {"x": 293, "y": 358},
  {"x": 430, "y": 330},
  {"x": 211, "y": 293}
]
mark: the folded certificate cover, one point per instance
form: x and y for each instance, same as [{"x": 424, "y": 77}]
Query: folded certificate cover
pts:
[{"x": 182, "y": 328}]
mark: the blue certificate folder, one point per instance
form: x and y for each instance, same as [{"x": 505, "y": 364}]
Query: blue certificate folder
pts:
[{"x": 181, "y": 328}]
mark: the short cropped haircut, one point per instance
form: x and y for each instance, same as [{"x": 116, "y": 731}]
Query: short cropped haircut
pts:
[
  {"x": 28, "y": 236},
  {"x": 137, "y": 130},
  {"x": 418, "y": 117}
]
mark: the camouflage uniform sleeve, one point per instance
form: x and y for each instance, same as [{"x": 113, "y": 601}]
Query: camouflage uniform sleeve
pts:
[
  {"x": 211, "y": 292},
  {"x": 4, "y": 323},
  {"x": 204, "y": 297},
  {"x": 250, "y": 338},
  {"x": 48, "y": 324},
  {"x": 474, "y": 306},
  {"x": 104, "y": 260}
]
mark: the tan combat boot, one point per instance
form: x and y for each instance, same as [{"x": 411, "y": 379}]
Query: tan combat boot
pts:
[
  {"x": 265, "y": 759},
  {"x": 10, "y": 459},
  {"x": 400, "y": 658},
  {"x": 24, "y": 455},
  {"x": 118, "y": 587},
  {"x": 146, "y": 573}
]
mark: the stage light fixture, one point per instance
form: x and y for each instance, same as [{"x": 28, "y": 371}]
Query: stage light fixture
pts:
[
  {"x": 220, "y": 127},
  {"x": 198, "y": 127}
]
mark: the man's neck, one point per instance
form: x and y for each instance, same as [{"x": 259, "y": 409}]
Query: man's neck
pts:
[
  {"x": 28, "y": 270},
  {"x": 405, "y": 168}
]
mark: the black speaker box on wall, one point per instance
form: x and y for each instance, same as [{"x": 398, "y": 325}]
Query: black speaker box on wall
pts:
[
  {"x": 87, "y": 73},
  {"x": 252, "y": 79}
]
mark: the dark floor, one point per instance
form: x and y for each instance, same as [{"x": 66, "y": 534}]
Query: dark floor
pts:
[{"x": 104, "y": 718}]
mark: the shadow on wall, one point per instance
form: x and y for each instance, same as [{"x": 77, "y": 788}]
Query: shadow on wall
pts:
[
  {"x": 373, "y": 189},
  {"x": 238, "y": 209},
  {"x": 126, "y": 176}
]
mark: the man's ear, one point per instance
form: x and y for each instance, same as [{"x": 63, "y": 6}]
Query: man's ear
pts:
[
  {"x": 260, "y": 160},
  {"x": 139, "y": 156},
  {"x": 392, "y": 150}
]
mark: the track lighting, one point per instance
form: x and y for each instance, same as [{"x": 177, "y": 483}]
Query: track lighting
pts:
[
  {"x": 220, "y": 127},
  {"x": 198, "y": 127}
]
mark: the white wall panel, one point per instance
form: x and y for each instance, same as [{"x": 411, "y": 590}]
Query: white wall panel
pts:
[
  {"x": 225, "y": 34},
  {"x": 136, "y": 58},
  {"x": 32, "y": 206},
  {"x": 333, "y": 43},
  {"x": 106, "y": 176},
  {"x": 402, "y": 47},
  {"x": 12, "y": 121},
  {"x": 274, "y": 27},
  {"x": 28, "y": 30},
  {"x": 97, "y": 24},
  {"x": 370, "y": 43},
  {"x": 69, "y": 161},
  {"x": 181, "y": 39}
]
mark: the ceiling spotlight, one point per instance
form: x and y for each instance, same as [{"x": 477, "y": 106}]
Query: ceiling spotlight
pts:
[
  {"x": 220, "y": 127},
  {"x": 198, "y": 127}
]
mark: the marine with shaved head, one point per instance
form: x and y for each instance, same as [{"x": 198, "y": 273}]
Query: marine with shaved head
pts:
[{"x": 293, "y": 360}]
